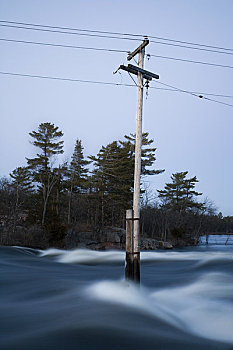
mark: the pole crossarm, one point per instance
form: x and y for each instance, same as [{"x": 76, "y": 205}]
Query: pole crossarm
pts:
[
  {"x": 143, "y": 71},
  {"x": 135, "y": 70},
  {"x": 138, "y": 49},
  {"x": 128, "y": 69}
]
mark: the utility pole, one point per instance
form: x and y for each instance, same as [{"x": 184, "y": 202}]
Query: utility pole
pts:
[
  {"x": 132, "y": 269},
  {"x": 137, "y": 170}
]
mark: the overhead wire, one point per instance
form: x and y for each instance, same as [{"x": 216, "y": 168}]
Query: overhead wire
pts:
[
  {"x": 191, "y": 47},
  {"x": 62, "y": 45},
  {"x": 76, "y": 29},
  {"x": 117, "y": 35},
  {"x": 110, "y": 50},
  {"x": 216, "y": 101},
  {"x": 191, "y": 43},
  {"x": 194, "y": 94},
  {"x": 190, "y": 61},
  {"x": 63, "y": 79},
  {"x": 67, "y": 32},
  {"x": 110, "y": 83}
]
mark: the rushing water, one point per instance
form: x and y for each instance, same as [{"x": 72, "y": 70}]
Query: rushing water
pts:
[{"x": 78, "y": 299}]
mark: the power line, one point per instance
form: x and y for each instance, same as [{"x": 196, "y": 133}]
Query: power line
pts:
[
  {"x": 67, "y": 32},
  {"x": 52, "y": 29},
  {"x": 190, "y": 61},
  {"x": 111, "y": 37},
  {"x": 194, "y": 94},
  {"x": 173, "y": 88},
  {"x": 191, "y": 47},
  {"x": 76, "y": 29},
  {"x": 63, "y": 79},
  {"x": 216, "y": 95},
  {"x": 141, "y": 36},
  {"x": 62, "y": 45},
  {"x": 198, "y": 93},
  {"x": 191, "y": 43},
  {"x": 111, "y": 50},
  {"x": 216, "y": 101}
]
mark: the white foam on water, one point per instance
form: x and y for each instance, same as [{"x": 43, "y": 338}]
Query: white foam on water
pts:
[
  {"x": 203, "y": 308},
  {"x": 51, "y": 252},
  {"x": 85, "y": 256},
  {"x": 200, "y": 256},
  {"x": 130, "y": 295}
]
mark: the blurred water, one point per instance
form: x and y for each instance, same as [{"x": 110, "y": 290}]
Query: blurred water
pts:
[{"x": 78, "y": 299}]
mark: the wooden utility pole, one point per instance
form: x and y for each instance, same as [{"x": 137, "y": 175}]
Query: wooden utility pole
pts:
[
  {"x": 132, "y": 266},
  {"x": 137, "y": 172},
  {"x": 132, "y": 269}
]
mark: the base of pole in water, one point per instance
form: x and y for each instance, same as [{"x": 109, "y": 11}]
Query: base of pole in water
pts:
[{"x": 132, "y": 268}]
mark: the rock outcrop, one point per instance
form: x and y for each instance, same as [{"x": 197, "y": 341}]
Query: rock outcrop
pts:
[{"x": 110, "y": 238}]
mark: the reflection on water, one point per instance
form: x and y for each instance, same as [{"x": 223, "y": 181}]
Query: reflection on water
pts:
[{"x": 78, "y": 299}]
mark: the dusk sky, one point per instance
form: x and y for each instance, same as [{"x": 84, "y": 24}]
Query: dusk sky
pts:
[{"x": 190, "y": 133}]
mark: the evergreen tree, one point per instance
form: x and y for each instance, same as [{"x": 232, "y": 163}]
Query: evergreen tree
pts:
[
  {"x": 21, "y": 179},
  {"x": 47, "y": 139},
  {"x": 7, "y": 201},
  {"x": 113, "y": 175},
  {"x": 148, "y": 153},
  {"x": 77, "y": 174},
  {"x": 112, "y": 179},
  {"x": 78, "y": 167},
  {"x": 22, "y": 185},
  {"x": 179, "y": 195}
]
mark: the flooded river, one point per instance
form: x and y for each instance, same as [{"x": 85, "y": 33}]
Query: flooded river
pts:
[{"x": 78, "y": 299}]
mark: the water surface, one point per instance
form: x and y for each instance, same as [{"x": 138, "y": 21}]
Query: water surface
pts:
[{"x": 78, "y": 299}]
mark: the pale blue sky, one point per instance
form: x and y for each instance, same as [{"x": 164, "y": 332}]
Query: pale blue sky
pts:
[{"x": 190, "y": 133}]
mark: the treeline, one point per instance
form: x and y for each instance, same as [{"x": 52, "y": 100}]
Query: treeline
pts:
[
  {"x": 52, "y": 198},
  {"x": 180, "y": 215}
]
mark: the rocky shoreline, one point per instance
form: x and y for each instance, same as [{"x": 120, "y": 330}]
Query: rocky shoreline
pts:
[
  {"x": 109, "y": 238},
  {"x": 114, "y": 238}
]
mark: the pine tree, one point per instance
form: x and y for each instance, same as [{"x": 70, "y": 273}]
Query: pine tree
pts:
[
  {"x": 180, "y": 194},
  {"x": 148, "y": 153},
  {"x": 22, "y": 185},
  {"x": 47, "y": 139},
  {"x": 21, "y": 179},
  {"x": 78, "y": 167},
  {"x": 77, "y": 174},
  {"x": 112, "y": 180},
  {"x": 5, "y": 200},
  {"x": 113, "y": 175}
]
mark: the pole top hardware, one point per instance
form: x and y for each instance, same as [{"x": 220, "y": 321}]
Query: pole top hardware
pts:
[
  {"x": 138, "y": 49},
  {"x": 144, "y": 72},
  {"x": 135, "y": 70},
  {"x": 132, "y": 70}
]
